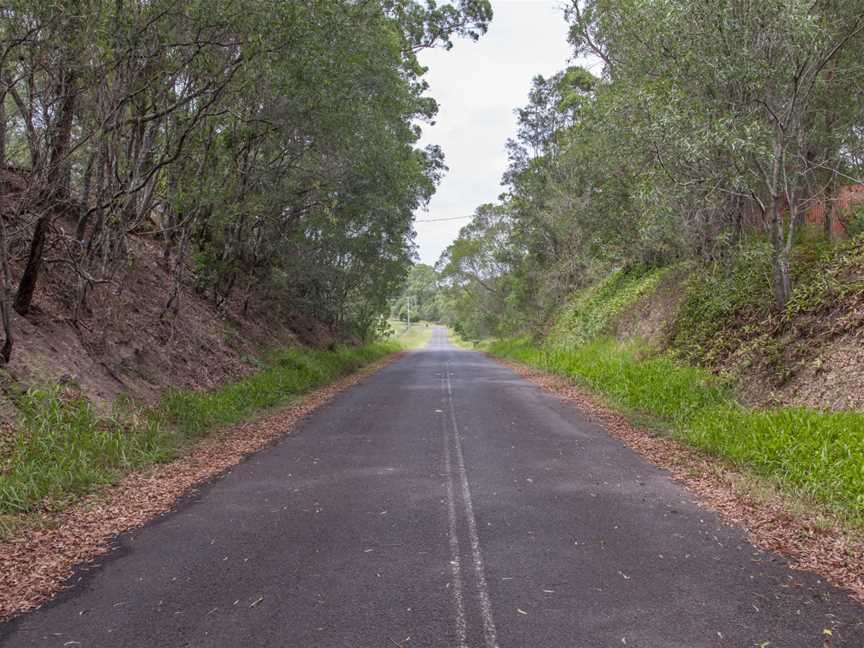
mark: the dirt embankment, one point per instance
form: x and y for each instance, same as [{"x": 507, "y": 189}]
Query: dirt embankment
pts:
[
  {"x": 124, "y": 341},
  {"x": 649, "y": 318},
  {"x": 812, "y": 359}
]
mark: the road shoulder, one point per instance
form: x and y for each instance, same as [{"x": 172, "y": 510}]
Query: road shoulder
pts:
[
  {"x": 37, "y": 562},
  {"x": 806, "y": 538}
]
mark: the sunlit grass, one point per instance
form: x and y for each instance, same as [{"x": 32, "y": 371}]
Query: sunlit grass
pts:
[{"x": 459, "y": 341}]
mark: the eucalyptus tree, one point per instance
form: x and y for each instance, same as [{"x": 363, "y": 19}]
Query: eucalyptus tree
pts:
[
  {"x": 269, "y": 147},
  {"x": 709, "y": 120},
  {"x": 420, "y": 295},
  {"x": 476, "y": 272},
  {"x": 738, "y": 101}
]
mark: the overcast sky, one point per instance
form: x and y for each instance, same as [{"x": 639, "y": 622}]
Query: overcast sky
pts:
[{"x": 477, "y": 86}]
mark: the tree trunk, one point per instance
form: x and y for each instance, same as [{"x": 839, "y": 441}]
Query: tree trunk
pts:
[
  {"x": 781, "y": 282},
  {"x": 54, "y": 187},
  {"x": 830, "y": 202},
  {"x": 61, "y": 137},
  {"x": 2, "y": 127},
  {"x": 27, "y": 285},
  {"x": 5, "y": 285},
  {"x": 84, "y": 212}
]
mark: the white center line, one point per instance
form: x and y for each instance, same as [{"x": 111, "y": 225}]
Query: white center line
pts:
[
  {"x": 489, "y": 633},
  {"x": 455, "y": 554}
]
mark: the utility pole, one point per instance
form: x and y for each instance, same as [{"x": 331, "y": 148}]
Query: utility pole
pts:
[{"x": 409, "y": 312}]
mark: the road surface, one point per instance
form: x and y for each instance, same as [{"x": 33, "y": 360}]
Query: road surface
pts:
[{"x": 442, "y": 502}]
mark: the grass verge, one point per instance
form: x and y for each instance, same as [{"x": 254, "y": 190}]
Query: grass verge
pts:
[
  {"x": 411, "y": 337},
  {"x": 462, "y": 343},
  {"x": 814, "y": 454},
  {"x": 65, "y": 448}
]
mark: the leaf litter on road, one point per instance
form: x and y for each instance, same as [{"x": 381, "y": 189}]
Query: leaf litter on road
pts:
[
  {"x": 36, "y": 562},
  {"x": 805, "y": 541}
]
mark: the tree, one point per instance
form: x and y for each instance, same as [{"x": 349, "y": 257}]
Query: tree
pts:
[
  {"x": 419, "y": 296},
  {"x": 740, "y": 99},
  {"x": 710, "y": 122},
  {"x": 269, "y": 147}
]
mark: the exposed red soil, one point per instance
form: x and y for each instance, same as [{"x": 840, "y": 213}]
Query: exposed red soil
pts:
[
  {"x": 36, "y": 562},
  {"x": 807, "y": 540}
]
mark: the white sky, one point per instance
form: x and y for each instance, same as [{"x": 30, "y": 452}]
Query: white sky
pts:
[{"x": 477, "y": 86}]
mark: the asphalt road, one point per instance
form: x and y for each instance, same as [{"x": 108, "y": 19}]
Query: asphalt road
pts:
[{"x": 442, "y": 502}]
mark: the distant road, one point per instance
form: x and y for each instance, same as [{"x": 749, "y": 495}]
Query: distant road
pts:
[{"x": 443, "y": 502}]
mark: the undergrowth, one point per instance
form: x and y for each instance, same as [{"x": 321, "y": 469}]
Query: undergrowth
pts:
[
  {"x": 64, "y": 448},
  {"x": 728, "y": 305},
  {"x": 726, "y": 310},
  {"x": 807, "y": 452},
  {"x": 592, "y": 311}
]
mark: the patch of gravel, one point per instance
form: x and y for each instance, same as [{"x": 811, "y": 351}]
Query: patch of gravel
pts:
[
  {"x": 35, "y": 563},
  {"x": 805, "y": 539}
]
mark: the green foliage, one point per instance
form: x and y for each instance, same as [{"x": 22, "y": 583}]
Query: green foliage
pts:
[
  {"x": 657, "y": 386},
  {"x": 65, "y": 448},
  {"x": 854, "y": 223},
  {"x": 709, "y": 123},
  {"x": 727, "y": 305},
  {"x": 807, "y": 452},
  {"x": 420, "y": 296},
  {"x": 720, "y": 295},
  {"x": 832, "y": 275},
  {"x": 818, "y": 454},
  {"x": 591, "y": 312},
  {"x": 275, "y": 145}
]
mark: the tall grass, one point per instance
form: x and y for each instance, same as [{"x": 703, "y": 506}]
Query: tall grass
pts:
[
  {"x": 65, "y": 448},
  {"x": 816, "y": 454}
]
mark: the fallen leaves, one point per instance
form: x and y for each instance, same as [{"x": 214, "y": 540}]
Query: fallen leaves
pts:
[
  {"x": 35, "y": 561},
  {"x": 806, "y": 542}
]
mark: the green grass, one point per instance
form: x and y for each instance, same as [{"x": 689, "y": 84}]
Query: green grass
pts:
[
  {"x": 64, "y": 448},
  {"x": 411, "y": 337},
  {"x": 592, "y": 311},
  {"x": 462, "y": 343},
  {"x": 818, "y": 455}
]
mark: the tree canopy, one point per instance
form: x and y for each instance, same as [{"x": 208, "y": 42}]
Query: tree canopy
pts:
[
  {"x": 271, "y": 147},
  {"x": 708, "y": 122}
]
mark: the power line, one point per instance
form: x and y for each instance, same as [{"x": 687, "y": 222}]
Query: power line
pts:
[{"x": 436, "y": 220}]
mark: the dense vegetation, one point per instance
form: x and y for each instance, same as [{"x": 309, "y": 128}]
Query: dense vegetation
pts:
[
  {"x": 712, "y": 131},
  {"x": 815, "y": 455},
  {"x": 268, "y": 147},
  {"x": 420, "y": 297}
]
